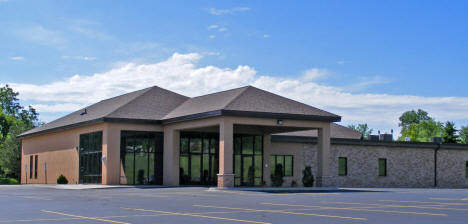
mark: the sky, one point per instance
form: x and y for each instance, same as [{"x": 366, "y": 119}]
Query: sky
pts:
[{"x": 368, "y": 61}]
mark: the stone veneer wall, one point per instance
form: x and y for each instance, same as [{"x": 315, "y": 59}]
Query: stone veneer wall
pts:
[{"x": 408, "y": 164}]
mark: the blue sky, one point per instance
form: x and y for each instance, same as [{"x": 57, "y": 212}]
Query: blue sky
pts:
[{"x": 368, "y": 61}]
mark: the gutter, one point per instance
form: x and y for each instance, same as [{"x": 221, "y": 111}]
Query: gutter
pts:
[{"x": 435, "y": 163}]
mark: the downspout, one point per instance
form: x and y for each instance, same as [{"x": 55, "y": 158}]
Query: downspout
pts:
[{"x": 435, "y": 164}]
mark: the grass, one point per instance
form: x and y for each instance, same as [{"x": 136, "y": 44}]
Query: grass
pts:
[{"x": 7, "y": 180}]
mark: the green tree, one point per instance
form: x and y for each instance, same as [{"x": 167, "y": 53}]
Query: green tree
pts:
[
  {"x": 363, "y": 129},
  {"x": 449, "y": 134},
  {"x": 464, "y": 135},
  {"x": 14, "y": 119},
  {"x": 419, "y": 126}
]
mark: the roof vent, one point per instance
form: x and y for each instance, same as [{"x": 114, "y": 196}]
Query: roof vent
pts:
[{"x": 84, "y": 112}]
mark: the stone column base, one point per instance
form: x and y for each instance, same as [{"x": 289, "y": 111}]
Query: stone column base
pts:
[
  {"x": 225, "y": 180},
  {"x": 325, "y": 181}
]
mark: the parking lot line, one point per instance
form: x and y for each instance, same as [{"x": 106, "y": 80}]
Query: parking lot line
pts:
[
  {"x": 283, "y": 212},
  {"x": 196, "y": 215},
  {"x": 449, "y": 199},
  {"x": 395, "y": 206},
  {"x": 37, "y": 220},
  {"x": 84, "y": 217},
  {"x": 427, "y": 202},
  {"x": 358, "y": 209},
  {"x": 37, "y": 198}
]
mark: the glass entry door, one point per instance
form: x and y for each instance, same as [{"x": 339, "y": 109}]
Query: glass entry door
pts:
[
  {"x": 141, "y": 158},
  {"x": 198, "y": 159},
  {"x": 90, "y": 158},
  {"x": 248, "y": 160}
]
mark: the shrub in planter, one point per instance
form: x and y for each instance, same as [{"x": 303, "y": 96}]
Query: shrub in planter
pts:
[
  {"x": 277, "y": 177},
  {"x": 307, "y": 177},
  {"x": 62, "y": 179},
  {"x": 293, "y": 183}
]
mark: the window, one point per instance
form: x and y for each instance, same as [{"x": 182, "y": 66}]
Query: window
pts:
[
  {"x": 342, "y": 166},
  {"x": 248, "y": 160},
  {"x": 35, "y": 166},
  {"x": 141, "y": 157},
  {"x": 30, "y": 166},
  {"x": 286, "y": 161},
  {"x": 466, "y": 169},
  {"x": 382, "y": 167}
]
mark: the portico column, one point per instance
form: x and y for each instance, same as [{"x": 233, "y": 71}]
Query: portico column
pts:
[
  {"x": 323, "y": 157},
  {"x": 171, "y": 157},
  {"x": 225, "y": 175}
]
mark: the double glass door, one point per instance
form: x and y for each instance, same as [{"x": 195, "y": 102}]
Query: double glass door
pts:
[{"x": 198, "y": 159}]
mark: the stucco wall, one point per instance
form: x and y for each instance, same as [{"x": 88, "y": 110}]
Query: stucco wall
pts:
[{"x": 58, "y": 151}]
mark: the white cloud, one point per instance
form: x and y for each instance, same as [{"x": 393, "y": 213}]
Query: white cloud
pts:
[
  {"x": 3, "y": 1},
  {"x": 211, "y": 36},
  {"x": 315, "y": 74},
  {"x": 222, "y": 29},
  {"x": 219, "y": 12},
  {"x": 266, "y": 36},
  {"x": 17, "y": 58},
  {"x": 365, "y": 82},
  {"x": 56, "y": 108},
  {"x": 213, "y": 27},
  {"x": 92, "y": 33},
  {"x": 181, "y": 74},
  {"x": 41, "y": 35},
  {"x": 340, "y": 62},
  {"x": 84, "y": 58}
]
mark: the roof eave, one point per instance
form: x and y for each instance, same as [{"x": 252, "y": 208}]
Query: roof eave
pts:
[{"x": 252, "y": 114}]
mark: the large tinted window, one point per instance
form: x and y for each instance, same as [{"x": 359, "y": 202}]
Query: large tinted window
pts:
[
  {"x": 342, "y": 166},
  {"x": 286, "y": 162},
  {"x": 141, "y": 156},
  {"x": 248, "y": 160},
  {"x": 90, "y": 151}
]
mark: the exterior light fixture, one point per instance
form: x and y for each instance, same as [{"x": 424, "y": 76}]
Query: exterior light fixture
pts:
[{"x": 280, "y": 122}]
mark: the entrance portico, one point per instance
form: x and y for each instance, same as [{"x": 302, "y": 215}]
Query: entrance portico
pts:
[{"x": 226, "y": 127}]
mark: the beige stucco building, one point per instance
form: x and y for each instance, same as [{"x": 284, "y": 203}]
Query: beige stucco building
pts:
[{"x": 230, "y": 138}]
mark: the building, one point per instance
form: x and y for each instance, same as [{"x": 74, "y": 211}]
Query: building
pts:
[{"x": 230, "y": 138}]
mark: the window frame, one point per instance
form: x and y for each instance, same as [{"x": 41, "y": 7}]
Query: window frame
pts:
[
  {"x": 36, "y": 159},
  {"x": 276, "y": 156},
  {"x": 466, "y": 169},
  {"x": 31, "y": 163},
  {"x": 384, "y": 164},
  {"x": 345, "y": 168}
]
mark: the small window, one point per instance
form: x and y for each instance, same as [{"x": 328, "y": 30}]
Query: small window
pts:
[
  {"x": 286, "y": 161},
  {"x": 466, "y": 169},
  {"x": 342, "y": 166},
  {"x": 35, "y": 166},
  {"x": 31, "y": 163},
  {"x": 382, "y": 167}
]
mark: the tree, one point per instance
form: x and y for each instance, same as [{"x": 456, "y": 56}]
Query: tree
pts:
[
  {"x": 10, "y": 150},
  {"x": 449, "y": 134},
  {"x": 14, "y": 119},
  {"x": 464, "y": 135},
  {"x": 419, "y": 126},
  {"x": 363, "y": 129}
]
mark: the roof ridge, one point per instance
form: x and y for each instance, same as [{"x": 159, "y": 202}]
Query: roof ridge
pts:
[
  {"x": 238, "y": 95},
  {"x": 218, "y": 92},
  {"x": 295, "y": 101},
  {"x": 136, "y": 97}
]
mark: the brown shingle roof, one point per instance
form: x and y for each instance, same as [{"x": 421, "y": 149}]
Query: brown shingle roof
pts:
[
  {"x": 157, "y": 105},
  {"x": 147, "y": 104},
  {"x": 249, "y": 101}
]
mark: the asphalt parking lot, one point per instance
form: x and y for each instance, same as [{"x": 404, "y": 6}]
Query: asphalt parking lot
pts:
[{"x": 28, "y": 204}]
